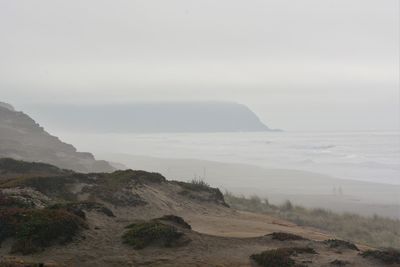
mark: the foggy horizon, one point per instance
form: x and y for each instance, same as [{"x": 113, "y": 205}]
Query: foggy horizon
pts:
[
  {"x": 41, "y": 112},
  {"x": 309, "y": 66}
]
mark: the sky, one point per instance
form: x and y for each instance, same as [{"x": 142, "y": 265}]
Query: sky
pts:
[{"x": 310, "y": 65}]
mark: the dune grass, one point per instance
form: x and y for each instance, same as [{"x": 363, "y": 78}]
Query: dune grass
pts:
[{"x": 374, "y": 231}]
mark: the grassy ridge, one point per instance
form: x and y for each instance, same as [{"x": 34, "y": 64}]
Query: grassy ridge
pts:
[{"x": 374, "y": 231}]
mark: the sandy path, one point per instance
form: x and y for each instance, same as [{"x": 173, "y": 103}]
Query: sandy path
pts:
[{"x": 247, "y": 224}]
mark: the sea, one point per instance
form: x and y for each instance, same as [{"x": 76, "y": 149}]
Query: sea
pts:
[{"x": 363, "y": 156}]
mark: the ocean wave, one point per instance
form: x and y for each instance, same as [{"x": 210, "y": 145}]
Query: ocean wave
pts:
[
  {"x": 379, "y": 165},
  {"x": 361, "y": 165}
]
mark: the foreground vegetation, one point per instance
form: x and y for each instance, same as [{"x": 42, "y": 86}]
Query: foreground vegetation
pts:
[
  {"x": 35, "y": 229},
  {"x": 143, "y": 234},
  {"x": 389, "y": 256},
  {"x": 374, "y": 231},
  {"x": 281, "y": 257}
]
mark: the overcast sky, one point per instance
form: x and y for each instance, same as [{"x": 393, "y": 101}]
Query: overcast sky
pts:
[{"x": 300, "y": 65}]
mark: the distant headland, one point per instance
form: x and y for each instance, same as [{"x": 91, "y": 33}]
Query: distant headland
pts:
[{"x": 154, "y": 117}]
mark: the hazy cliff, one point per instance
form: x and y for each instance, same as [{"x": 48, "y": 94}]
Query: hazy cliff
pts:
[
  {"x": 153, "y": 117},
  {"x": 22, "y": 138}
]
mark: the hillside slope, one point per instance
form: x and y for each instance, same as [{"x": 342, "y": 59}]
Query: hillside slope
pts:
[
  {"x": 130, "y": 218},
  {"x": 22, "y": 138}
]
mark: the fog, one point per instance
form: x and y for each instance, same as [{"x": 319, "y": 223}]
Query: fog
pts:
[
  {"x": 300, "y": 65},
  {"x": 199, "y": 132},
  {"x": 96, "y": 74}
]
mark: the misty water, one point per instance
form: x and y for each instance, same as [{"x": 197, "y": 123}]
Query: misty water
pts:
[{"x": 365, "y": 156}]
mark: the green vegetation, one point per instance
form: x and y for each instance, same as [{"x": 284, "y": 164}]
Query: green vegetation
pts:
[
  {"x": 52, "y": 186},
  {"x": 122, "y": 178},
  {"x": 373, "y": 231},
  {"x": 8, "y": 165},
  {"x": 118, "y": 197},
  {"x": 388, "y": 256},
  {"x": 116, "y": 187},
  {"x": 10, "y": 202},
  {"x": 143, "y": 234},
  {"x": 286, "y": 236},
  {"x": 339, "y": 263},
  {"x": 300, "y": 250},
  {"x": 280, "y": 257},
  {"x": 200, "y": 190},
  {"x": 196, "y": 186},
  {"x": 20, "y": 263},
  {"x": 176, "y": 220},
  {"x": 336, "y": 243},
  {"x": 35, "y": 229},
  {"x": 273, "y": 258},
  {"x": 78, "y": 207}
]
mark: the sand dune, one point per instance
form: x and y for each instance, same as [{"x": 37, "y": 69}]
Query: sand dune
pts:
[{"x": 302, "y": 187}]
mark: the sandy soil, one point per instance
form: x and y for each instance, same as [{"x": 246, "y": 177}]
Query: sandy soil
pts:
[{"x": 220, "y": 237}]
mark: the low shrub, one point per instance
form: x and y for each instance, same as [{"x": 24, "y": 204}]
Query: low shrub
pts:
[
  {"x": 78, "y": 207},
  {"x": 22, "y": 198},
  {"x": 388, "y": 256},
  {"x": 175, "y": 219},
  {"x": 116, "y": 196},
  {"x": 300, "y": 250},
  {"x": 280, "y": 257},
  {"x": 195, "y": 185},
  {"x": 273, "y": 258},
  {"x": 200, "y": 190},
  {"x": 10, "y": 167},
  {"x": 336, "y": 243},
  {"x": 22, "y": 263},
  {"x": 122, "y": 178},
  {"x": 10, "y": 202},
  {"x": 286, "y": 236},
  {"x": 35, "y": 229},
  {"x": 51, "y": 186},
  {"x": 199, "y": 184},
  {"x": 339, "y": 263},
  {"x": 143, "y": 234},
  {"x": 117, "y": 187}
]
